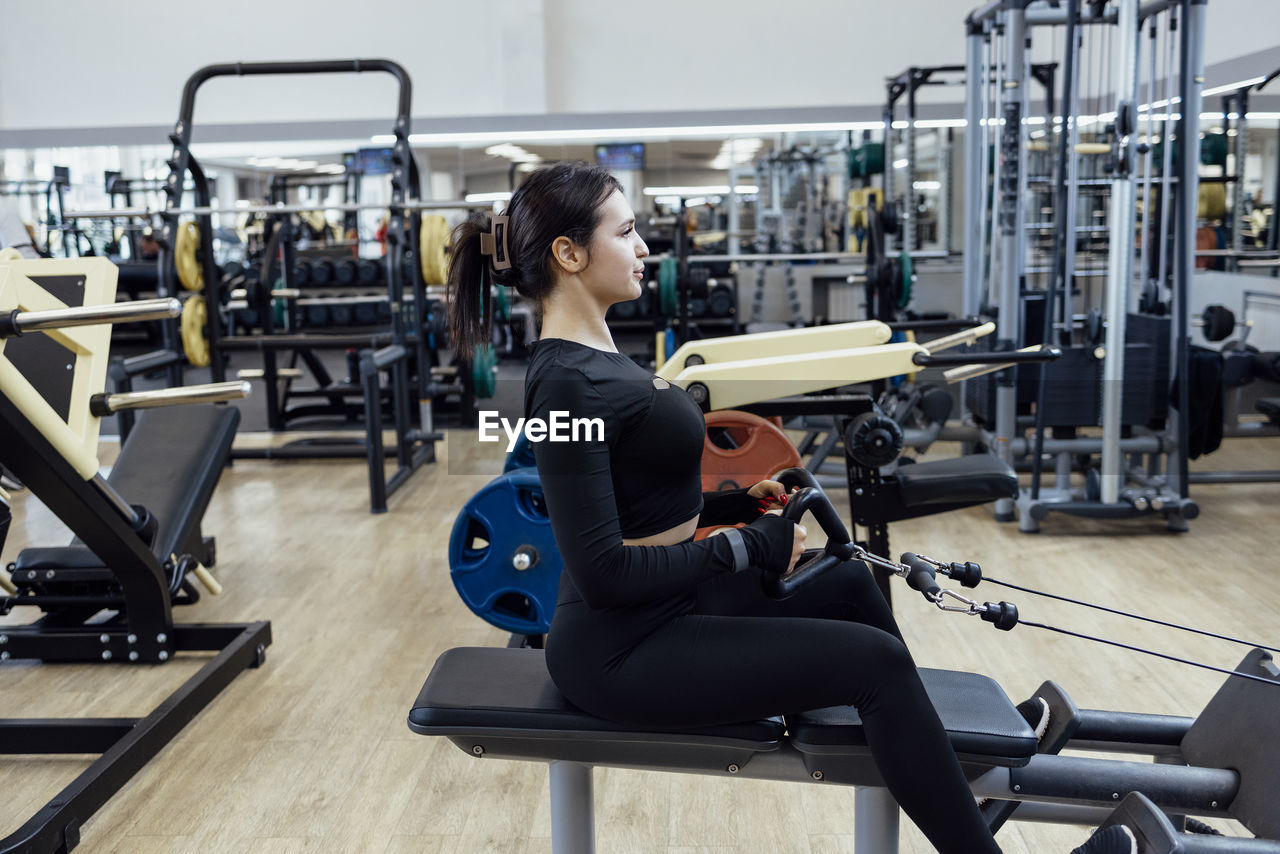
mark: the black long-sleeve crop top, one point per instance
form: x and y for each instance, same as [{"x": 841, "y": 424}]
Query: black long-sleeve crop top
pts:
[{"x": 633, "y": 473}]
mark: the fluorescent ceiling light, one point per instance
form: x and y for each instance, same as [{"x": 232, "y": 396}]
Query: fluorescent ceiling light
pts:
[
  {"x": 927, "y": 185},
  {"x": 736, "y": 152},
  {"x": 709, "y": 190},
  {"x": 930, "y": 123},
  {"x": 514, "y": 153},
  {"x": 489, "y": 197},
  {"x": 427, "y": 140},
  {"x": 282, "y": 163},
  {"x": 901, "y": 164},
  {"x": 695, "y": 201},
  {"x": 1231, "y": 87}
]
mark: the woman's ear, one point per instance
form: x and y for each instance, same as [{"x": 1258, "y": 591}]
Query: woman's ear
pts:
[{"x": 569, "y": 256}]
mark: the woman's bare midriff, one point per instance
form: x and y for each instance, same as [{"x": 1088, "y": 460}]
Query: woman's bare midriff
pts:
[{"x": 670, "y": 537}]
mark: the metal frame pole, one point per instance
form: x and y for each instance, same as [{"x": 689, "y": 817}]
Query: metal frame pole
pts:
[
  {"x": 1062, "y": 232},
  {"x": 1192, "y": 86},
  {"x": 909, "y": 232},
  {"x": 1241, "y": 148},
  {"x": 572, "y": 809},
  {"x": 996, "y": 67},
  {"x": 875, "y": 821},
  {"x": 1071, "y": 127},
  {"x": 974, "y": 174},
  {"x": 946, "y": 204},
  {"x": 1010, "y": 224},
  {"x": 1166, "y": 169},
  {"x": 1120, "y": 254},
  {"x": 1144, "y": 267}
]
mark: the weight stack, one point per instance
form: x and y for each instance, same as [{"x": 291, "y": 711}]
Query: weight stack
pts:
[{"x": 1074, "y": 397}]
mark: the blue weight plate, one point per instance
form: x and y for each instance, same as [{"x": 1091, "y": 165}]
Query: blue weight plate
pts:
[
  {"x": 506, "y": 514},
  {"x": 521, "y": 455}
]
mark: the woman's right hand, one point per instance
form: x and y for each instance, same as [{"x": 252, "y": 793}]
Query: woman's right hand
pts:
[{"x": 797, "y": 542}]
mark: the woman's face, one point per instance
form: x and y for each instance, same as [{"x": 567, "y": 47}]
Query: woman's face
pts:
[{"x": 616, "y": 268}]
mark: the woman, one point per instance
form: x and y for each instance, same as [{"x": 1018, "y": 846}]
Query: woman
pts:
[{"x": 652, "y": 629}]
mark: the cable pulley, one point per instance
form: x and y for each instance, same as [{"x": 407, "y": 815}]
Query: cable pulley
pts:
[{"x": 920, "y": 573}]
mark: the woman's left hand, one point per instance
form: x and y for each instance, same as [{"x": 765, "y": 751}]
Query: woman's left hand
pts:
[
  {"x": 767, "y": 489},
  {"x": 771, "y": 494}
]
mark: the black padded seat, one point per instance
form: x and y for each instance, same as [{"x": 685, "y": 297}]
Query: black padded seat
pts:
[
  {"x": 981, "y": 721},
  {"x": 1270, "y": 407},
  {"x": 471, "y": 687},
  {"x": 501, "y": 703},
  {"x": 170, "y": 464},
  {"x": 57, "y": 557},
  {"x": 973, "y": 479}
]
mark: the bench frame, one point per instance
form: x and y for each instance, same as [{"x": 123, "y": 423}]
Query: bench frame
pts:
[{"x": 143, "y": 631}]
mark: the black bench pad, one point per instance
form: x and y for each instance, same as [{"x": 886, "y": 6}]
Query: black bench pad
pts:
[
  {"x": 57, "y": 557},
  {"x": 170, "y": 465},
  {"x": 510, "y": 689},
  {"x": 486, "y": 695},
  {"x": 977, "y": 714},
  {"x": 975, "y": 478}
]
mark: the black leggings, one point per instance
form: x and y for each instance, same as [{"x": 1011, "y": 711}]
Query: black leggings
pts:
[{"x": 740, "y": 655}]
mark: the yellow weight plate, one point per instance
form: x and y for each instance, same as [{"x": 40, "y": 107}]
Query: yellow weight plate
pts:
[
  {"x": 195, "y": 316},
  {"x": 862, "y": 199},
  {"x": 184, "y": 257},
  {"x": 1212, "y": 202},
  {"x": 434, "y": 237}
]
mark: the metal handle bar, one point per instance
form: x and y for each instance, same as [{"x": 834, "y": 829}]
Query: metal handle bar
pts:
[
  {"x": 809, "y": 498},
  {"x": 102, "y": 405},
  {"x": 1045, "y": 354},
  {"x": 15, "y": 323},
  {"x": 338, "y": 66}
]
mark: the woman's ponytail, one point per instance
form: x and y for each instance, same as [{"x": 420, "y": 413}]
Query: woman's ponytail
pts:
[{"x": 468, "y": 282}]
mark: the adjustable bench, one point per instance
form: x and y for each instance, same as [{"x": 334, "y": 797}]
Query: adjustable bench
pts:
[
  {"x": 170, "y": 464},
  {"x": 501, "y": 703}
]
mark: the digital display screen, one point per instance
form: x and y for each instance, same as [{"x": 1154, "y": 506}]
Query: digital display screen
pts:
[
  {"x": 620, "y": 155},
  {"x": 374, "y": 161}
]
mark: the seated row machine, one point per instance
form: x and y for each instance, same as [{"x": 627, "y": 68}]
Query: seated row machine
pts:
[{"x": 501, "y": 703}]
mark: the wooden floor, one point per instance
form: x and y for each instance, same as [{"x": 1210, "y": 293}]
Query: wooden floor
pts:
[{"x": 310, "y": 753}]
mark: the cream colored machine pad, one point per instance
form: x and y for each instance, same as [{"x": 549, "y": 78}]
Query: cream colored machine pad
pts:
[{"x": 77, "y": 437}]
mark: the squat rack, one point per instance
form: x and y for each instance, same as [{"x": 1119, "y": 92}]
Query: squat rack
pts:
[{"x": 413, "y": 448}]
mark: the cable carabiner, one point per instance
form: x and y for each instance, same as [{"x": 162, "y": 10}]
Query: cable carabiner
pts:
[{"x": 971, "y": 608}]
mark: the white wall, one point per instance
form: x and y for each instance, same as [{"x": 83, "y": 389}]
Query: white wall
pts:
[{"x": 86, "y": 63}]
